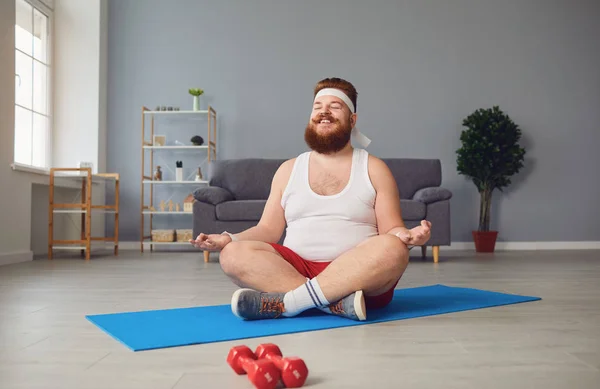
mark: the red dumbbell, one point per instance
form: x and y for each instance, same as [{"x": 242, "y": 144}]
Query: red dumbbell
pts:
[
  {"x": 263, "y": 373},
  {"x": 293, "y": 369}
]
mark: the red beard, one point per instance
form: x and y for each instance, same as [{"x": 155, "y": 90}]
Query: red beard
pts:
[{"x": 330, "y": 142}]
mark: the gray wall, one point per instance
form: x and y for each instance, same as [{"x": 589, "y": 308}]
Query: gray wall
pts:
[{"x": 420, "y": 67}]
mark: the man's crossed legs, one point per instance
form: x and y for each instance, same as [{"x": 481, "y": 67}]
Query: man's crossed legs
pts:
[{"x": 277, "y": 282}]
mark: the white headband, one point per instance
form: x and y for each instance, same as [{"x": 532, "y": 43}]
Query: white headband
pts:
[{"x": 360, "y": 137}]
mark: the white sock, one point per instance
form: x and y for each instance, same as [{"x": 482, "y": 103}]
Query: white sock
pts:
[{"x": 306, "y": 296}]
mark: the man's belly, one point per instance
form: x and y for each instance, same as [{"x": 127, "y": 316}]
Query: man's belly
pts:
[{"x": 327, "y": 240}]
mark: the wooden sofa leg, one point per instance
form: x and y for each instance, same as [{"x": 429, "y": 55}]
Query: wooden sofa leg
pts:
[
  {"x": 206, "y": 256},
  {"x": 436, "y": 254},
  {"x": 423, "y": 251}
]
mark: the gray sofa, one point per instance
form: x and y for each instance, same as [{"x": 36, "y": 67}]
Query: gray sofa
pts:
[{"x": 238, "y": 190}]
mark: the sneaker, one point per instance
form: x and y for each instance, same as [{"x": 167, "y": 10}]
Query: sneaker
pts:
[
  {"x": 250, "y": 304},
  {"x": 351, "y": 307}
]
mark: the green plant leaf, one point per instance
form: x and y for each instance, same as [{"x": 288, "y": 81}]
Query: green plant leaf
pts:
[{"x": 195, "y": 91}]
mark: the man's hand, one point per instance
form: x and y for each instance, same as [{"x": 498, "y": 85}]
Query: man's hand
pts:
[
  {"x": 211, "y": 242},
  {"x": 417, "y": 236}
]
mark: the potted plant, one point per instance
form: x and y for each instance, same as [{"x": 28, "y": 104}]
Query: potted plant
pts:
[
  {"x": 490, "y": 154},
  {"x": 196, "y": 92}
]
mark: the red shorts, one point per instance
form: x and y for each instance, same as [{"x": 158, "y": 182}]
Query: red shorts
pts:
[{"x": 311, "y": 269}]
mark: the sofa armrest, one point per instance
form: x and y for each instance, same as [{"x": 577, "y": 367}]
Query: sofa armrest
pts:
[
  {"x": 432, "y": 195},
  {"x": 213, "y": 195}
]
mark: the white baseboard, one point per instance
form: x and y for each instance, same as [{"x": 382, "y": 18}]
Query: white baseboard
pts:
[
  {"x": 515, "y": 246},
  {"x": 465, "y": 246},
  {"x": 136, "y": 246},
  {"x": 18, "y": 257}
]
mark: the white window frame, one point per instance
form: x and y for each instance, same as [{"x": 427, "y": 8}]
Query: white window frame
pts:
[{"x": 45, "y": 7}]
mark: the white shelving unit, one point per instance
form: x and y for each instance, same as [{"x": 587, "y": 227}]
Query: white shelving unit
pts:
[
  {"x": 148, "y": 209},
  {"x": 84, "y": 208},
  {"x": 174, "y": 147}
]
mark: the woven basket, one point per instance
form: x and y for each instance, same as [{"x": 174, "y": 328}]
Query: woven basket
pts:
[
  {"x": 163, "y": 235},
  {"x": 183, "y": 235}
]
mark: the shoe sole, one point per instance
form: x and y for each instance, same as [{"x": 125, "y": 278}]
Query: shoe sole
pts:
[
  {"x": 359, "y": 305},
  {"x": 234, "y": 301}
]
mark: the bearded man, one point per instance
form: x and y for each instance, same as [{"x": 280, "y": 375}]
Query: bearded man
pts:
[{"x": 346, "y": 245}]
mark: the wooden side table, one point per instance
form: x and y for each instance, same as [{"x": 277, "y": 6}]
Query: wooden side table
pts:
[{"x": 84, "y": 207}]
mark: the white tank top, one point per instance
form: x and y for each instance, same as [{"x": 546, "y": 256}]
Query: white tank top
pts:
[{"x": 320, "y": 228}]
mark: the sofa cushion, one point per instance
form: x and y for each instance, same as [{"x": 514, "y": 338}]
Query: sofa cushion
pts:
[
  {"x": 246, "y": 179},
  {"x": 432, "y": 195},
  {"x": 413, "y": 210},
  {"x": 212, "y": 195},
  {"x": 240, "y": 210}
]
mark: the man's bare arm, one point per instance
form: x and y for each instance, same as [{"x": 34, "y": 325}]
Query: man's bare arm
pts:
[
  {"x": 272, "y": 222},
  {"x": 387, "y": 201}
]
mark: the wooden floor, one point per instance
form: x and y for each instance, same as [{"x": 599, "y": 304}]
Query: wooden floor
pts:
[{"x": 47, "y": 343}]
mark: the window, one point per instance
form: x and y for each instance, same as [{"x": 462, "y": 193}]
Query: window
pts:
[{"x": 33, "y": 117}]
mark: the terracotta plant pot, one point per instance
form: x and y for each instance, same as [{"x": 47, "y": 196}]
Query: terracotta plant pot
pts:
[{"x": 485, "y": 241}]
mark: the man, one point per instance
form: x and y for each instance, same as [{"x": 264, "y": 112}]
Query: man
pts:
[{"x": 346, "y": 244}]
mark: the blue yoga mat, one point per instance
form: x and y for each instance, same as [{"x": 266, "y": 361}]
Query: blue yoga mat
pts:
[{"x": 148, "y": 330}]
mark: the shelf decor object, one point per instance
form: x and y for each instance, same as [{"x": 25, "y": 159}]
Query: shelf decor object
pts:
[
  {"x": 172, "y": 176},
  {"x": 179, "y": 171},
  {"x": 196, "y": 92}
]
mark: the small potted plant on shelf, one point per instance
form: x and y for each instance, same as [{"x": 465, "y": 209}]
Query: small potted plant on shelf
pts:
[
  {"x": 490, "y": 154},
  {"x": 196, "y": 92}
]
